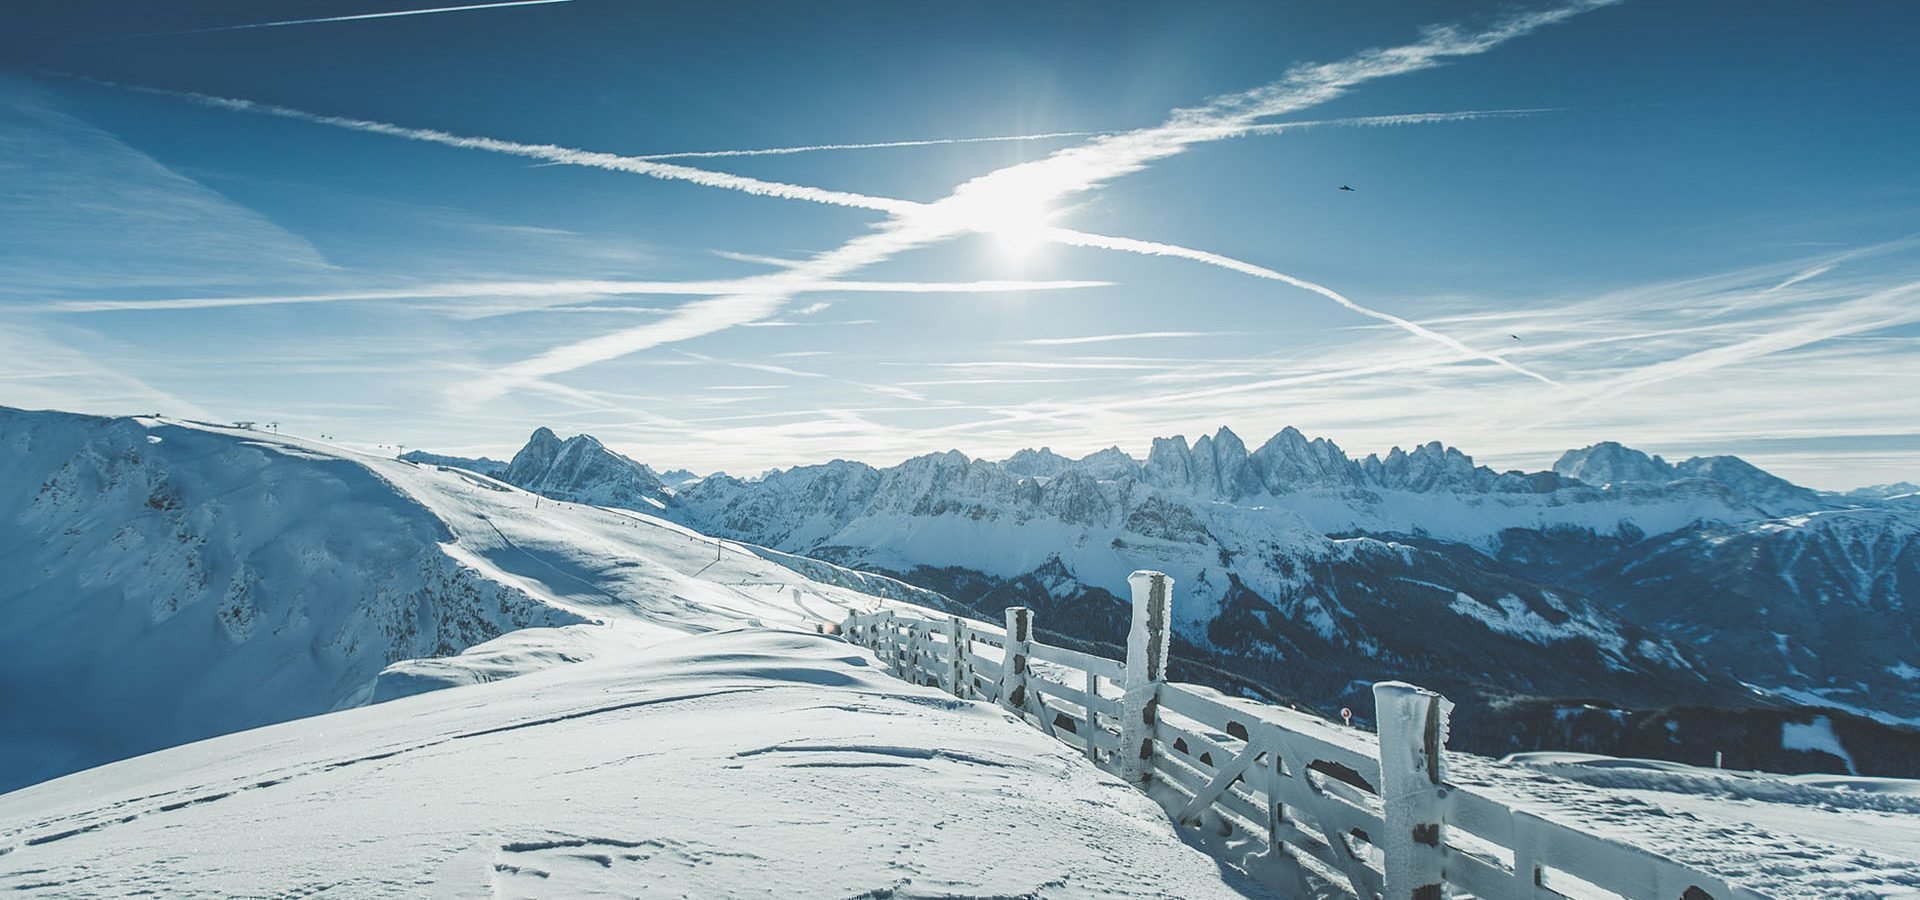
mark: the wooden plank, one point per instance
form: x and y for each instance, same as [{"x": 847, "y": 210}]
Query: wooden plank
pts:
[
  {"x": 1333, "y": 818},
  {"x": 1316, "y": 739},
  {"x": 987, "y": 686},
  {"x": 1489, "y": 820},
  {"x": 1111, "y": 670},
  {"x": 1245, "y": 805},
  {"x": 1247, "y": 812},
  {"x": 1222, "y": 779},
  {"x": 1168, "y": 732},
  {"x": 1621, "y": 868},
  {"x": 1057, "y": 689},
  {"x": 986, "y": 634},
  {"x": 1480, "y": 877}
]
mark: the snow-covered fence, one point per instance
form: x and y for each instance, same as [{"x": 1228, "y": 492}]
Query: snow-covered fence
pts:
[{"x": 1294, "y": 800}]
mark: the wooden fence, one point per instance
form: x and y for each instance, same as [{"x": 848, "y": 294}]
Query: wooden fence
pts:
[{"x": 1295, "y": 801}]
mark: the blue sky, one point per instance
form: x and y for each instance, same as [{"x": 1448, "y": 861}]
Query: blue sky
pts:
[{"x": 1694, "y": 228}]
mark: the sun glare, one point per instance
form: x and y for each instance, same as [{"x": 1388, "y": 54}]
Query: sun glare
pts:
[{"x": 1017, "y": 224}]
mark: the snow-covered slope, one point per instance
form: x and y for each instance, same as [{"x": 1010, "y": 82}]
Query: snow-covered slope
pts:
[
  {"x": 728, "y": 764},
  {"x": 167, "y": 581},
  {"x": 1873, "y": 817}
]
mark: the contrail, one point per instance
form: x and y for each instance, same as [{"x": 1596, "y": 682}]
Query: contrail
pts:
[
  {"x": 1106, "y": 338},
  {"x": 1155, "y": 248},
  {"x": 553, "y": 153},
  {"x": 564, "y": 288},
  {"x": 379, "y": 15},
  {"x": 876, "y": 145},
  {"x": 1271, "y": 128}
]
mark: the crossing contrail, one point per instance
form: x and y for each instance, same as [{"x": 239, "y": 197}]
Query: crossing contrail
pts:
[{"x": 1155, "y": 248}]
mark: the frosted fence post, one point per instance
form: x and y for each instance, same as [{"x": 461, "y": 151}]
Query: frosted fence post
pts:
[
  {"x": 1413, "y": 736},
  {"x": 885, "y": 637},
  {"x": 1093, "y": 715},
  {"x": 1013, "y": 666},
  {"x": 958, "y": 680},
  {"x": 1146, "y": 669}
]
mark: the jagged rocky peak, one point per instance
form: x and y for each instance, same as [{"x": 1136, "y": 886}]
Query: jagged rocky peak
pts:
[
  {"x": 1220, "y": 466},
  {"x": 1610, "y": 462},
  {"x": 1290, "y": 459},
  {"x": 1430, "y": 467},
  {"x": 1169, "y": 462},
  {"x": 582, "y": 469},
  {"x": 1111, "y": 464},
  {"x": 541, "y": 448},
  {"x": 677, "y": 477},
  {"x": 1041, "y": 463}
]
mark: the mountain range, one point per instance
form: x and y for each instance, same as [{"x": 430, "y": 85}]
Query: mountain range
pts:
[{"x": 1615, "y": 579}]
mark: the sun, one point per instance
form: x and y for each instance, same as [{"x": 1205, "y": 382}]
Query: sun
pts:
[{"x": 1017, "y": 223}]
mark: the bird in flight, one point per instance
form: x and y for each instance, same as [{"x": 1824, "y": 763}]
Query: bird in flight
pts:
[
  {"x": 1514, "y": 336},
  {"x": 1345, "y": 188}
]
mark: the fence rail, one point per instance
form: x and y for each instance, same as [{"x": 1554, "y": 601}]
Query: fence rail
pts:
[{"x": 1295, "y": 801}]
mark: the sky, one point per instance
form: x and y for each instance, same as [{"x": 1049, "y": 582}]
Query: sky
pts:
[{"x": 1691, "y": 228}]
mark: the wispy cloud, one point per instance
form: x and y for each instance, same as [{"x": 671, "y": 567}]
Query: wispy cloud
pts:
[
  {"x": 1105, "y": 338},
  {"x": 393, "y": 14},
  {"x": 74, "y": 194},
  {"x": 41, "y": 369}
]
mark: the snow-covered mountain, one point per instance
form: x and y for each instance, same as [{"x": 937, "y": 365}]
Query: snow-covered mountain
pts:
[
  {"x": 1305, "y": 569},
  {"x": 582, "y": 470},
  {"x": 1609, "y": 463},
  {"x": 1899, "y": 490},
  {"x": 167, "y": 581}
]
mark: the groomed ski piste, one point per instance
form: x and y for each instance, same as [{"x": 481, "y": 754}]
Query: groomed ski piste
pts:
[{"x": 694, "y": 735}]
